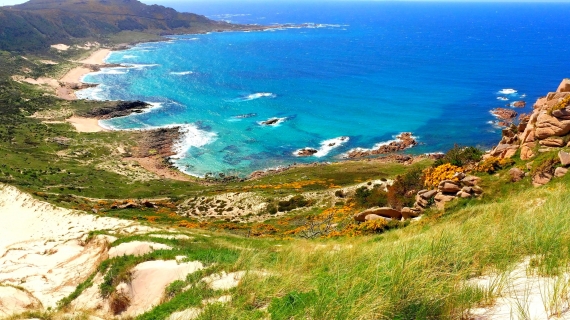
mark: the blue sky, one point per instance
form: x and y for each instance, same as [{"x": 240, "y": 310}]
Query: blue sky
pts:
[{"x": 13, "y": 2}]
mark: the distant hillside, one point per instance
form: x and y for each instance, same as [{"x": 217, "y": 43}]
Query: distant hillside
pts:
[{"x": 36, "y": 24}]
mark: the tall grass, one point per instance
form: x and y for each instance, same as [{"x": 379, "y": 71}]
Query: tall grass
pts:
[{"x": 419, "y": 272}]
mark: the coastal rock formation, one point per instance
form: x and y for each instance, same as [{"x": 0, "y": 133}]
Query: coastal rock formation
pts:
[
  {"x": 403, "y": 141},
  {"x": 117, "y": 109},
  {"x": 504, "y": 114},
  {"x": 548, "y": 127},
  {"x": 306, "y": 152},
  {"x": 519, "y": 104}
]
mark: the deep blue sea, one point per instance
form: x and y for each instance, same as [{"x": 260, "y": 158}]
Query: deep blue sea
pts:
[{"x": 364, "y": 70}]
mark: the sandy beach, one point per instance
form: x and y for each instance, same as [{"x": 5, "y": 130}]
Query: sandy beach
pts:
[
  {"x": 97, "y": 58},
  {"x": 85, "y": 124}
]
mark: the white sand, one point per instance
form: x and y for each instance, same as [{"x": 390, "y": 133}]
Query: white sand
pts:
[
  {"x": 97, "y": 58},
  {"x": 149, "y": 279},
  {"x": 60, "y": 47},
  {"x": 523, "y": 295},
  {"x": 41, "y": 246},
  {"x": 85, "y": 124},
  {"x": 75, "y": 75},
  {"x": 136, "y": 248}
]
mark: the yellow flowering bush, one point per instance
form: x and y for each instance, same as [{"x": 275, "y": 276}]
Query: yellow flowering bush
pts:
[
  {"x": 493, "y": 164},
  {"x": 433, "y": 176}
]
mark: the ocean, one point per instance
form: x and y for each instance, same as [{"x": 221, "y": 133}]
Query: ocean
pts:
[{"x": 358, "y": 75}]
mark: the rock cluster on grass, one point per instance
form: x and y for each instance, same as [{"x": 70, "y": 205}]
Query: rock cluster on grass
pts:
[
  {"x": 542, "y": 178},
  {"x": 447, "y": 190},
  {"x": 461, "y": 187}
]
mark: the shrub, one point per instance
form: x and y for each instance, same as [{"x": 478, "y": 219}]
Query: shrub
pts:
[
  {"x": 367, "y": 198},
  {"x": 297, "y": 201},
  {"x": 492, "y": 164},
  {"x": 560, "y": 105},
  {"x": 460, "y": 156},
  {"x": 433, "y": 176},
  {"x": 174, "y": 288},
  {"x": 402, "y": 192}
]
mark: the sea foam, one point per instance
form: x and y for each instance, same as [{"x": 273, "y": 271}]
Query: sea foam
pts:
[
  {"x": 508, "y": 91},
  {"x": 191, "y": 137},
  {"x": 181, "y": 73}
]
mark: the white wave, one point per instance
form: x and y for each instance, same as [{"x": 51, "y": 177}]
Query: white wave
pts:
[
  {"x": 273, "y": 122},
  {"x": 503, "y": 98},
  {"x": 94, "y": 93},
  {"x": 523, "y": 95},
  {"x": 257, "y": 96},
  {"x": 326, "y": 146},
  {"x": 191, "y": 137},
  {"x": 508, "y": 91},
  {"x": 182, "y": 73},
  {"x": 229, "y": 15},
  {"x": 129, "y": 56},
  {"x": 139, "y": 66}
]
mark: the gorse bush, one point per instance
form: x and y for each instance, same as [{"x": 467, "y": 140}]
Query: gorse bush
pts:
[
  {"x": 492, "y": 164},
  {"x": 447, "y": 171}
]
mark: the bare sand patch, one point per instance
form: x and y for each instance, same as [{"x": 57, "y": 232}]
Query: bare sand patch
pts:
[
  {"x": 523, "y": 295},
  {"x": 149, "y": 279},
  {"x": 136, "y": 248},
  {"x": 82, "y": 124},
  {"x": 43, "y": 249},
  {"x": 60, "y": 47}
]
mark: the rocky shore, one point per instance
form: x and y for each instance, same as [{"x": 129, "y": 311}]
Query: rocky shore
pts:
[
  {"x": 403, "y": 141},
  {"x": 546, "y": 129},
  {"x": 116, "y": 109}
]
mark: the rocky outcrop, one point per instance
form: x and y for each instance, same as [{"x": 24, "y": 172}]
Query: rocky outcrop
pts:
[
  {"x": 564, "y": 86},
  {"x": 463, "y": 187},
  {"x": 116, "y": 109},
  {"x": 385, "y": 212},
  {"x": 306, "y": 152},
  {"x": 504, "y": 114},
  {"x": 403, "y": 141},
  {"x": 516, "y": 174},
  {"x": 547, "y": 127},
  {"x": 519, "y": 104}
]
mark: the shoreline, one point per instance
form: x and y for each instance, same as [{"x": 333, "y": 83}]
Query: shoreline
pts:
[{"x": 96, "y": 61}]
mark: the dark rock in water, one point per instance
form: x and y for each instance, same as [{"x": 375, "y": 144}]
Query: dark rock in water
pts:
[
  {"x": 271, "y": 122},
  {"x": 519, "y": 104},
  {"x": 306, "y": 152}
]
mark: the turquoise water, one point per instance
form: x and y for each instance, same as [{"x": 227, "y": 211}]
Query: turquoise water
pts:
[{"x": 365, "y": 71}]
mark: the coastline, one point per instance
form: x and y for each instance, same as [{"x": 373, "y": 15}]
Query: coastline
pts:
[{"x": 156, "y": 165}]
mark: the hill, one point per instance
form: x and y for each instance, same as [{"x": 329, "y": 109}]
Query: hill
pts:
[{"x": 36, "y": 24}]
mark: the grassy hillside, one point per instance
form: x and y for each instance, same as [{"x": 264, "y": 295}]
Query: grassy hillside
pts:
[{"x": 36, "y": 24}]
